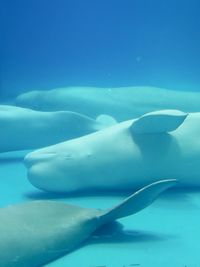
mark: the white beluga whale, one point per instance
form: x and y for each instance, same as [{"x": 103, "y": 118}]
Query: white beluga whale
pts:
[
  {"x": 37, "y": 232},
  {"x": 23, "y": 128},
  {"x": 161, "y": 144},
  {"x": 122, "y": 103}
]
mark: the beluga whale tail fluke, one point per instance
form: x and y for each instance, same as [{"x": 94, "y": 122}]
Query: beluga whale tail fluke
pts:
[{"x": 37, "y": 232}]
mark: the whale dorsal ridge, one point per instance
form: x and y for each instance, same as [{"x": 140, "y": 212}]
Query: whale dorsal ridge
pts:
[{"x": 158, "y": 122}]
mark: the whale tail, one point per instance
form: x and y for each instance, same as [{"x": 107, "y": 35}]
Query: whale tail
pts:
[{"x": 137, "y": 201}]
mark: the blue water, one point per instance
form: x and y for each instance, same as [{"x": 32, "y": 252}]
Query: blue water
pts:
[{"x": 47, "y": 44}]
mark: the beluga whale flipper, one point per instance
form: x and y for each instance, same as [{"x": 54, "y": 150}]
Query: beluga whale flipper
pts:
[
  {"x": 38, "y": 232},
  {"x": 123, "y": 157}
]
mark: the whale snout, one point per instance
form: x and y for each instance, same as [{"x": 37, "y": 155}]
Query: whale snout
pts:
[
  {"x": 40, "y": 171},
  {"x": 34, "y": 158},
  {"x": 53, "y": 171}
]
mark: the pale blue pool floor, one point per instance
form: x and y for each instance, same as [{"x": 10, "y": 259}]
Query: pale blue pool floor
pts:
[{"x": 165, "y": 234}]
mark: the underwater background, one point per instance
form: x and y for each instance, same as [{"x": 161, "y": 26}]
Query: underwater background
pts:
[{"x": 47, "y": 44}]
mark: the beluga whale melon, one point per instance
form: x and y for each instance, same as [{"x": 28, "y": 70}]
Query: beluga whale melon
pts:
[
  {"x": 126, "y": 156},
  {"x": 122, "y": 103},
  {"x": 23, "y": 128},
  {"x": 37, "y": 232}
]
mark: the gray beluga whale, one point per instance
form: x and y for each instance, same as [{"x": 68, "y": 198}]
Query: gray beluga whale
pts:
[
  {"x": 122, "y": 103},
  {"x": 122, "y": 157},
  {"x": 38, "y": 232},
  {"x": 23, "y": 128}
]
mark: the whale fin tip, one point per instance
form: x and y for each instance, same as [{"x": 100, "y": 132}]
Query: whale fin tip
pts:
[
  {"x": 138, "y": 200},
  {"x": 158, "y": 122}
]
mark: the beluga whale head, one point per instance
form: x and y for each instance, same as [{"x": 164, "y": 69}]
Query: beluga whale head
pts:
[{"x": 125, "y": 156}]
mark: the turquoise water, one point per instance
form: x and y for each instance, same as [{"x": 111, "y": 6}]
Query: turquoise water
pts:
[
  {"x": 166, "y": 233},
  {"x": 108, "y": 44}
]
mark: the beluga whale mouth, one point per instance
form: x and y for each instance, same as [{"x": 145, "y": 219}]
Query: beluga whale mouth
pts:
[
  {"x": 42, "y": 171},
  {"x": 32, "y": 159}
]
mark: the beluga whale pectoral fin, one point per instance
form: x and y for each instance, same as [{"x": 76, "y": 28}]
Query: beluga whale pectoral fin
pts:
[
  {"x": 138, "y": 201},
  {"x": 158, "y": 122}
]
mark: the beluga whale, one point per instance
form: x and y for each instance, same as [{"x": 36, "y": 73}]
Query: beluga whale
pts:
[
  {"x": 37, "y": 232},
  {"x": 23, "y": 129},
  {"x": 123, "y": 103},
  {"x": 123, "y": 157}
]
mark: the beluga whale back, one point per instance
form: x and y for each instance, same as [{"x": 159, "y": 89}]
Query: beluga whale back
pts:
[{"x": 122, "y": 103}]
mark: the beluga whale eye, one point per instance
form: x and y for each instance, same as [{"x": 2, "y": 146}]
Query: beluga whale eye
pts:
[{"x": 66, "y": 156}]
